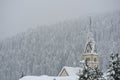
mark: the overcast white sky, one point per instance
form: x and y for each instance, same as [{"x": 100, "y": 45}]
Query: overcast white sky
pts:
[{"x": 19, "y": 15}]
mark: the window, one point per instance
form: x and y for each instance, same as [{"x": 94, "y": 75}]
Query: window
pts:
[
  {"x": 88, "y": 51},
  {"x": 88, "y": 59},
  {"x": 95, "y": 59}
]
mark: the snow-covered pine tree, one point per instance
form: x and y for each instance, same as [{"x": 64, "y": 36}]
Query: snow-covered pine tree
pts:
[
  {"x": 97, "y": 74},
  {"x": 114, "y": 67},
  {"x": 91, "y": 73}
]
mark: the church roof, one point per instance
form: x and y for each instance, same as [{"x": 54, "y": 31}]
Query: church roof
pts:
[{"x": 71, "y": 71}]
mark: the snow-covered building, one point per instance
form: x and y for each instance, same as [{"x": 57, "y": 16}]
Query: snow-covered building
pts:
[{"x": 70, "y": 71}]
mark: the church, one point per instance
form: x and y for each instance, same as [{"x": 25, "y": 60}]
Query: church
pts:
[
  {"x": 71, "y": 73},
  {"x": 90, "y": 54}
]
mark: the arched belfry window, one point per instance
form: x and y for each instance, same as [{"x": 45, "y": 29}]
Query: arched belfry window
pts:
[
  {"x": 88, "y": 59},
  {"x": 95, "y": 59}
]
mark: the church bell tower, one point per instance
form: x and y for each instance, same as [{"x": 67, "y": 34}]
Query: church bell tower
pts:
[{"x": 90, "y": 52}]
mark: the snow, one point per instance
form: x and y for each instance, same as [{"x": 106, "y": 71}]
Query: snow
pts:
[
  {"x": 72, "y": 71},
  {"x": 105, "y": 75},
  {"x": 82, "y": 62},
  {"x": 37, "y": 52},
  {"x": 49, "y": 78}
]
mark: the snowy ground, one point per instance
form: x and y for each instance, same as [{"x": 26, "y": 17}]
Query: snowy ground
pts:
[{"x": 49, "y": 78}]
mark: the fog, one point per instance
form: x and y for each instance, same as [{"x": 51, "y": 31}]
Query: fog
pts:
[{"x": 19, "y": 15}]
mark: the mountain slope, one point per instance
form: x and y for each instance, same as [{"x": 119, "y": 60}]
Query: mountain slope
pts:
[{"x": 46, "y": 49}]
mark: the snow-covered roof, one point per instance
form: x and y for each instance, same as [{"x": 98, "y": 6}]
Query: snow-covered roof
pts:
[
  {"x": 49, "y": 78},
  {"x": 71, "y": 71}
]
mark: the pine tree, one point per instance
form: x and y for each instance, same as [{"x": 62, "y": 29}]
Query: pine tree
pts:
[
  {"x": 97, "y": 74},
  {"x": 91, "y": 73},
  {"x": 114, "y": 67}
]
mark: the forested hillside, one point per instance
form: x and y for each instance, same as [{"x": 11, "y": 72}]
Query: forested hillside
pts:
[{"x": 46, "y": 49}]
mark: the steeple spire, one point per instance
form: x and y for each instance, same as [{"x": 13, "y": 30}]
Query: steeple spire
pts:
[
  {"x": 90, "y": 35},
  {"x": 90, "y": 25},
  {"x": 90, "y": 45},
  {"x": 90, "y": 48}
]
